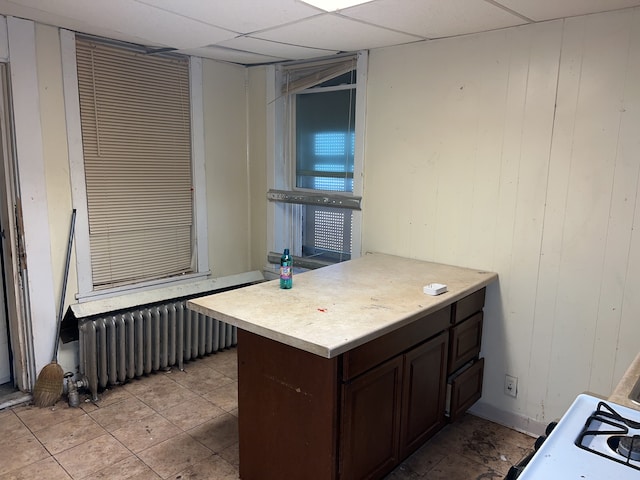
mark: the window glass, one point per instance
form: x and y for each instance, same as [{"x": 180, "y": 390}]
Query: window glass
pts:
[
  {"x": 325, "y": 124},
  {"x": 325, "y": 150},
  {"x": 317, "y": 187}
]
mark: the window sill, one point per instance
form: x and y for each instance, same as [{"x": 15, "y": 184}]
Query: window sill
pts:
[
  {"x": 162, "y": 293},
  {"x": 140, "y": 287}
]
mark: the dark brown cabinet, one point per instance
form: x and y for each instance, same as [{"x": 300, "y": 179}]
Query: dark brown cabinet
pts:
[
  {"x": 392, "y": 409},
  {"x": 466, "y": 340},
  {"x": 358, "y": 415},
  {"x": 424, "y": 393},
  {"x": 371, "y": 422},
  {"x": 466, "y": 388},
  {"x": 465, "y": 368}
]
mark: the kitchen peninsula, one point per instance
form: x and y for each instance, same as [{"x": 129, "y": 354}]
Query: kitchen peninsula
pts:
[{"x": 344, "y": 375}]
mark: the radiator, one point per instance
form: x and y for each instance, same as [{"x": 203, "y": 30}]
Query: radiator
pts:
[{"x": 115, "y": 348}]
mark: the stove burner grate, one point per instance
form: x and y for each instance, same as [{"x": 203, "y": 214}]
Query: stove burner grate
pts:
[
  {"x": 625, "y": 448},
  {"x": 629, "y": 447}
]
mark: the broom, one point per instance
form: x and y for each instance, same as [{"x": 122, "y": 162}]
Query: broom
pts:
[{"x": 49, "y": 383}]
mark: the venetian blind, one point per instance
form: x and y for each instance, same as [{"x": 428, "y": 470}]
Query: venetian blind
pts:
[
  {"x": 298, "y": 77},
  {"x": 136, "y": 133}
]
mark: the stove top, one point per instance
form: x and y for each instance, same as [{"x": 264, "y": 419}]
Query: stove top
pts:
[{"x": 595, "y": 439}]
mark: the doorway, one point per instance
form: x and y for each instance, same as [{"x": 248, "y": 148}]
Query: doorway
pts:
[
  {"x": 15, "y": 373},
  {"x": 5, "y": 361}
]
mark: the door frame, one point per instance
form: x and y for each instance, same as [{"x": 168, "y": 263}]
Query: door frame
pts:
[{"x": 21, "y": 354}]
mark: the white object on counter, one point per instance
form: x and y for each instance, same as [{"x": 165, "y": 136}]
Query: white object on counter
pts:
[{"x": 434, "y": 288}]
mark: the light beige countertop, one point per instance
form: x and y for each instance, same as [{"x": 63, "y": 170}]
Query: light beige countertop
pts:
[
  {"x": 336, "y": 308},
  {"x": 621, "y": 393}
]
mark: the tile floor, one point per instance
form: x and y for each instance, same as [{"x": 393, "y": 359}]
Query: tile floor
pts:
[{"x": 183, "y": 425}]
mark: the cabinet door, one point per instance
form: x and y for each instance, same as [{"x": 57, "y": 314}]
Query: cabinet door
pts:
[
  {"x": 424, "y": 393},
  {"x": 466, "y": 340},
  {"x": 370, "y": 422}
]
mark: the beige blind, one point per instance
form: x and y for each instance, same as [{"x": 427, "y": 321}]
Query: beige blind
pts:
[
  {"x": 298, "y": 77},
  {"x": 136, "y": 134}
]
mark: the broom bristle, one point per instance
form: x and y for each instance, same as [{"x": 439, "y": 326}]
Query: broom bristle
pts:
[{"x": 48, "y": 389}]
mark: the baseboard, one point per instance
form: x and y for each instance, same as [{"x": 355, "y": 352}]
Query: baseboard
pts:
[{"x": 508, "y": 419}]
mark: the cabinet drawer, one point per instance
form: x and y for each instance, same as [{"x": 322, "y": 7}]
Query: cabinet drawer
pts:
[
  {"x": 466, "y": 339},
  {"x": 467, "y": 306},
  {"x": 465, "y": 389},
  {"x": 373, "y": 353}
]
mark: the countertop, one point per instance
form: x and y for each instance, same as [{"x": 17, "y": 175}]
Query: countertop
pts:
[
  {"x": 621, "y": 393},
  {"x": 336, "y": 308}
]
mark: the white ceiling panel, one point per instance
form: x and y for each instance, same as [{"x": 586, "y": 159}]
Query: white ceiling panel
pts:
[
  {"x": 128, "y": 18},
  {"x": 540, "y": 10},
  {"x": 147, "y": 22},
  {"x": 333, "y": 32},
  {"x": 435, "y": 18},
  {"x": 242, "y": 16},
  {"x": 258, "y": 31},
  {"x": 229, "y": 55},
  {"x": 275, "y": 49},
  {"x": 48, "y": 18}
]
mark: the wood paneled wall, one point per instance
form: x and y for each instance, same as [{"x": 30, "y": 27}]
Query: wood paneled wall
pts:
[{"x": 518, "y": 151}]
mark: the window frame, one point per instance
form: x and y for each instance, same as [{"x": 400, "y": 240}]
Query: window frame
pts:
[
  {"x": 284, "y": 220},
  {"x": 86, "y": 290}
]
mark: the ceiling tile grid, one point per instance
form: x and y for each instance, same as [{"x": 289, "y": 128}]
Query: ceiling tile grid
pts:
[
  {"x": 435, "y": 18},
  {"x": 251, "y": 32}
]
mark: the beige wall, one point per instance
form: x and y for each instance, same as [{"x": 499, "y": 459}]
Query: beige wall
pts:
[
  {"x": 225, "y": 132},
  {"x": 225, "y": 152},
  {"x": 54, "y": 140},
  {"x": 516, "y": 151},
  {"x": 225, "y": 121},
  {"x": 257, "y": 112},
  {"x": 58, "y": 184}
]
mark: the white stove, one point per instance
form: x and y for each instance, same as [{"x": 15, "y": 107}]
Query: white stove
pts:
[{"x": 594, "y": 440}]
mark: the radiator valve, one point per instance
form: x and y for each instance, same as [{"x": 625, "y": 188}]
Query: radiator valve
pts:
[{"x": 72, "y": 390}]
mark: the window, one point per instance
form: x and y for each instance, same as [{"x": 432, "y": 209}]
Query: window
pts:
[
  {"x": 136, "y": 172},
  {"x": 318, "y": 127}
]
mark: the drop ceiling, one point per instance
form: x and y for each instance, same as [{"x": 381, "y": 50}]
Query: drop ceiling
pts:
[{"x": 264, "y": 31}]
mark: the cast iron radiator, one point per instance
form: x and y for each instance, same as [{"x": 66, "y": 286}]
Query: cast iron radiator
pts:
[{"x": 117, "y": 347}]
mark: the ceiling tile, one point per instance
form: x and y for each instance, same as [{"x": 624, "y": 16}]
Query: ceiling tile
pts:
[
  {"x": 255, "y": 31},
  {"x": 228, "y": 55},
  {"x": 435, "y": 18},
  {"x": 243, "y": 16},
  {"x": 150, "y": 24},
  {"x": 540, "y": 10},
  {"x": 333, "y": 32},
  {"x": 275, "y": 49},
  {"x": 61, "y": 20}
]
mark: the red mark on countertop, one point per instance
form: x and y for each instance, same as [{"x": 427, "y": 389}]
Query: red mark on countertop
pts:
[{"x": 322, "y": 310}]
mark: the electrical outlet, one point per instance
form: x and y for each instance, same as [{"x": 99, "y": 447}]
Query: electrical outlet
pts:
[{"x": 511, "y": 386}]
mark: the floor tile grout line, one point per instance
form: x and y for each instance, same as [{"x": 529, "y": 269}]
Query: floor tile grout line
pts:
[
  {"x": 89, "y": 415},
  {"x": 168, "y": 439}
]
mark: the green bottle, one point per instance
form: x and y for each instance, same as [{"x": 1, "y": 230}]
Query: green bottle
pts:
[{"x": 286, "y": 270}]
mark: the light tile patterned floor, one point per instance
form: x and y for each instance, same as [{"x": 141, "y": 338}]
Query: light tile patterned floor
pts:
[{"x": 183, "y": 425}]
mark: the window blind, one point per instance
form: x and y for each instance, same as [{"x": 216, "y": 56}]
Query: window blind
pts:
[
  {"x": 298, "y": 77},
  {"x": 136, "y": 133}
]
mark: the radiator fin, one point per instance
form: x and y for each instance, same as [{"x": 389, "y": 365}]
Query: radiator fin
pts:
[{"x": 116, "y": 348}]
